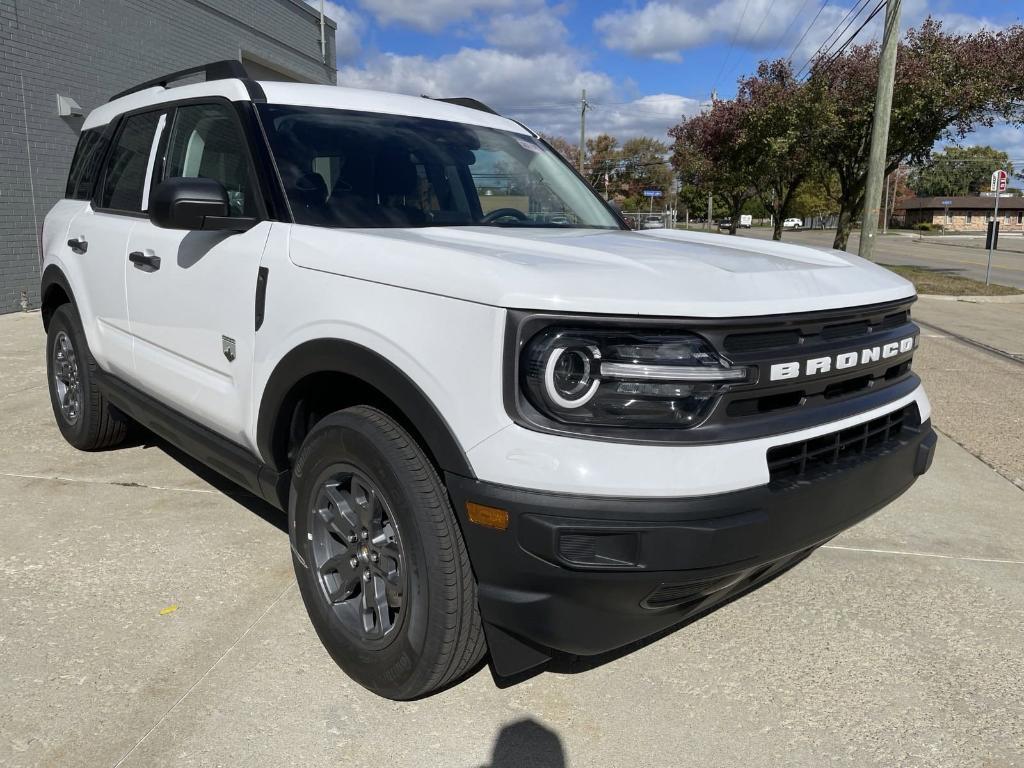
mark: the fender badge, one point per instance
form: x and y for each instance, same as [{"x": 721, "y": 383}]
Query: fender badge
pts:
[{"x": 228, "y": 347}]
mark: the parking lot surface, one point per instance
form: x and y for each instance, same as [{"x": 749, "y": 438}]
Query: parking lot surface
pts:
[
  {"x": 965, "y": 256},
  {"x": 149, "y": 618}
]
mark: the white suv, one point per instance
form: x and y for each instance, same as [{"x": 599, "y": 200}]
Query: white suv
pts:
[{"x": 498, "y": 419}]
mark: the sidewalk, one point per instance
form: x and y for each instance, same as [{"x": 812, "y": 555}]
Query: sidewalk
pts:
[{"x": 996, "y": 322}]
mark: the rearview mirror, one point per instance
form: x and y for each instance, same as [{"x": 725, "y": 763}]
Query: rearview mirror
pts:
[{"x": 194, "y": 203}]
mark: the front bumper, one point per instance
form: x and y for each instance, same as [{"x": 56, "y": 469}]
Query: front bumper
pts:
[{"x": 586, "y": 574}]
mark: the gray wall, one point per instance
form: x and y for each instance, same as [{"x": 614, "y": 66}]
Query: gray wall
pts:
[{"x": 91, "y": 49}]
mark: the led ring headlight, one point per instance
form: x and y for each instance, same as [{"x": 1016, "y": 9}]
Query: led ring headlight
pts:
[{"x": 570, "y": 372}]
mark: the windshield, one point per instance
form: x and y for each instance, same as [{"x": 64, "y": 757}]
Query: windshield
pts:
[{"x": 359, "y": 169}]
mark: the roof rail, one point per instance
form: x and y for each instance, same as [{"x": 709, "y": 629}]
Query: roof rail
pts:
[
  {"x": 216, "y": 70},
  {"x": 464, "y": 101}
]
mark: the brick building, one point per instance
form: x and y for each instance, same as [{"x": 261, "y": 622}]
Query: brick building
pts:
[
  {"x": 960, "y": 214},
  {"x": 55, "y": 54}
]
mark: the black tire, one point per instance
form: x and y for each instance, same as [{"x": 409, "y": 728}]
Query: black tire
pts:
[
  {"x": 433, "y": 635},
  {"x": 94, "y": 423}
]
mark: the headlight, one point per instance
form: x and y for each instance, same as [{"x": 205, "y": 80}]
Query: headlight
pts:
[{"x": 617, "y": 378}]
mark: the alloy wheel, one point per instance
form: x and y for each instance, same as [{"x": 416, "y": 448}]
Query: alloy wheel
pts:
[
  {"x": 357, "y": 554},
  {"x": 67, "y": 383}
]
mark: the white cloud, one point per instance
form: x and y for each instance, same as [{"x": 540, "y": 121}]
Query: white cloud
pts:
[
  {"x": 664, "y": 29},
  {"x": 508, "y": 82},
  {"x": 434, "y": 15},
  {"x": 351, "y": 26},
  {"x": 534, "y": 32}
]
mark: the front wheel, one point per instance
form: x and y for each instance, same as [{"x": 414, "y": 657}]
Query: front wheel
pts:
[{"x": 379, "y": 557}]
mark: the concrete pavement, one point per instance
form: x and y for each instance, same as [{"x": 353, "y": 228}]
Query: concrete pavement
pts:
[
  {"x": 961, "y": 257},
  {"x": 898, "y": 644}
]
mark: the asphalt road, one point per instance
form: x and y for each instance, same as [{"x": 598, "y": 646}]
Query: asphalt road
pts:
[
  {"x": 150, "y": 618},
  {"x": 957, "y": 255}
]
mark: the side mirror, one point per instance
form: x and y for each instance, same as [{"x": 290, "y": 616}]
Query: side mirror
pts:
[{"x": 194, "y": 203}]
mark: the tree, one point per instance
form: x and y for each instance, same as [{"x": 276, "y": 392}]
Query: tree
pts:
[
  {"x": 946, "y": 84},
  {"x": 958, "y": 171},
  {"x": 643, "y": 165},
  {"x": 709, "y": 153},
  {"x": 563, "y": 147},
  {"x": 778, "y": 130},
  {"x": 601, "y": 161}
]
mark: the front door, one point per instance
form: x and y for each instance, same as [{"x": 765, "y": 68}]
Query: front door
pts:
[{"x": 192, "y": 294}]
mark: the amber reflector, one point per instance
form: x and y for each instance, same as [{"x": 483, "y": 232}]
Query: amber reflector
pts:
[{"x": 489, "y": 517}]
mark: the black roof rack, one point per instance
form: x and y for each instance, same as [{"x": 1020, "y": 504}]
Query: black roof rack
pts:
[
  {"x": 218, "y": 70},
  {"x": 465, "y": 101}
]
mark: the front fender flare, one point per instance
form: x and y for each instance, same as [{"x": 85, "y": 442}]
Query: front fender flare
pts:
[{"x": 357, "y": 361}]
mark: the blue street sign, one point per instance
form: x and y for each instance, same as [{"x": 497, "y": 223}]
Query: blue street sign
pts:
[
  {"x": 947, "y": 202},
  {"x": 652, "y": 193}
]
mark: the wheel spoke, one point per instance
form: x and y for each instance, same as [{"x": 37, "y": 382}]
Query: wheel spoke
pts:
[
  {"x": 339, "y": 516},
  {"x": 366, "y": 502},
  {"x": 376, "y": 612},
  {"x": 339, "y": 577}
]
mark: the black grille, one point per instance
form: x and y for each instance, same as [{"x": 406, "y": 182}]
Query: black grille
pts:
[{"x": 799, "y": 459}]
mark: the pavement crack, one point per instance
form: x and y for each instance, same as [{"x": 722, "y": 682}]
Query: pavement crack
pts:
[
  {"x": 906, "y": 553},
  {"x": 206, "y": 674},
  {"x": 121, "y": 483}
]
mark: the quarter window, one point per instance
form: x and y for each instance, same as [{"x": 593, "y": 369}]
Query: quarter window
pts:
[
  {"x": 85, "y": 165},
  {"x": 125, "y": 177},
  {"x": 205, "y": 142}
]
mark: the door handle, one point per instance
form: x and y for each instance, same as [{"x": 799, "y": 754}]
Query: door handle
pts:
[
  {"x": 144, "y": 261},
  {"x": 78, "y": 244}
]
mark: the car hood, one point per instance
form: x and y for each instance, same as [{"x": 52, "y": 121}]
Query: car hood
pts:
[{"x": 653, "y": 272}]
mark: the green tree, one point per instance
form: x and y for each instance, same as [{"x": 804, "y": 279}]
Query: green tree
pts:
[
  {"x": 710, "y": 154},
  {"x": 779, "y": 136},
  {"x": 946, "y": 84},
  {"x": 958, "y": 171}
]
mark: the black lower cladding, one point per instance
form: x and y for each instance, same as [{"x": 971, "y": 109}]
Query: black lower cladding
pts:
[{"x": 586, "y": 575}]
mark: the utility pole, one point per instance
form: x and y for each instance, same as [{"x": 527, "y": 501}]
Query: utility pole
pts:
[
  {"x": 880, "y": 129},
  {"x": 710, "y": 197},
  {"x": 583, "y": 127}
]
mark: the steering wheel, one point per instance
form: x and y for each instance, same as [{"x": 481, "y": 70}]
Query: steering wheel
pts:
[{"x": 504, "y": 213}]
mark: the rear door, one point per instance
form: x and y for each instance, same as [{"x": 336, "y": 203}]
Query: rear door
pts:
[
  {"x": 98, "y": 239},
  {"x": 192, "y": 294}
]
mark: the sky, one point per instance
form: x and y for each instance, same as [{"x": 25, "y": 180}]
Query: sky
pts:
[{"x": 643, "y": 63}]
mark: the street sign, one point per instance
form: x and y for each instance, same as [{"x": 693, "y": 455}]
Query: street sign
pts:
[
  {"x": 998, "y": 181},
  {"x": 997, "y": 194},
  {"x": 947, "y": 203},
  {"x": 657, "y": 192},
  {"x": 998, "y": 186}
]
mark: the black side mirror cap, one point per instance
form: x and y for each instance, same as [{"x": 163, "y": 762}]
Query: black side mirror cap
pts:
[{"x": 194, "y": 203}]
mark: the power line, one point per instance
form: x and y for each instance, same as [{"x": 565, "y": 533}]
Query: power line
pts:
[
  {"x": 833, "y": 37},
  {"x": 833, "y": 54},
  {"x": 728, "y": 51},
  {"x": 809, "y": 26}
]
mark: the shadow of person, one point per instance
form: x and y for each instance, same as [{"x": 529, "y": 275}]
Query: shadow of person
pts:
[{"x": 527, "y": 744}]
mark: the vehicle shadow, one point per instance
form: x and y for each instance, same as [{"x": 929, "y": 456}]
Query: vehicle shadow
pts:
[
  {"x": 147, "y": 440},
  {"x": 527, "y": 744}
]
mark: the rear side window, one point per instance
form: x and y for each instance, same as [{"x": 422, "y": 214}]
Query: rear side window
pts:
[
  {"x": 85, "y": 166},
  {"x": 125, "y": 177}
]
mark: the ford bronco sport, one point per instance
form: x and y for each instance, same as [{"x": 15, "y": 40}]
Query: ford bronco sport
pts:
[{"x": 498, "y": 419}]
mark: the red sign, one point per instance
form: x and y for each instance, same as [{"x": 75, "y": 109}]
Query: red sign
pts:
[{"x": 999, "y": 181}]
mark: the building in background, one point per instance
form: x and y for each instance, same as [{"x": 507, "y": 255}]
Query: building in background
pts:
[
  {"x": 60, "y": 59},
  {"x": 960, "y": 214}
]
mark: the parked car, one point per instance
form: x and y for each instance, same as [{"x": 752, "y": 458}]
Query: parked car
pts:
[
  {"x": 489, "y": 434},
  {"x": 725, "y": 223},
  {"x": 746, "y": 220},
  {"x": 653, "y": 222},
  {"x": 793, "y": 224}
]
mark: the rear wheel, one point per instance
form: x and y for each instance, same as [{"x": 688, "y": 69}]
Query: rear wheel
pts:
[
  {"x": 379, "y": 557},
  {"x": 84, "y": 417}
]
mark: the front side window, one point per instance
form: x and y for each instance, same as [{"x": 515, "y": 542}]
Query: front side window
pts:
[
  {"x": 357, "y": 169},
  {"x": 125, "y": 178},
  {"x": 205, "y": 141}
]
